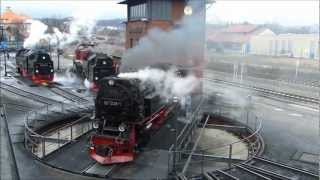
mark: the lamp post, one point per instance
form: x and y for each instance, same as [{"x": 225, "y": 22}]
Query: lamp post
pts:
[
  {"x": 5, "y": 62},
  {"x": 3, "y": 47},
  {"x": 175, "y": 101}
]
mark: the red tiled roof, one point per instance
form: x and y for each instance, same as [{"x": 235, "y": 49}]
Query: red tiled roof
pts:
[
  {"x": 234, "y": 33},
  {"x": 10, "y": 17},
  {"x": 241, "y": 28},
  {"x": 226, "y": 37}
]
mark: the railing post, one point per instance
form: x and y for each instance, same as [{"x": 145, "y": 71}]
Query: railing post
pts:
[
  {"x": 25, "y": 138},
  {"x": 43, "y": 147},
  {"x": 247, "y": 117},
  {"x": 250, "y": 146},
  {"x": 169, "y": 168},
  {"x": 59, "y": 138},
  {"x": 62, "y": 107},
  {"x": 71, "y": 133},
  {"x": 202, "y": 161},
  {"x": 47, "y": 112},
  {"x": 255, "y": 123},
  {"x": 230, "y": 155}
]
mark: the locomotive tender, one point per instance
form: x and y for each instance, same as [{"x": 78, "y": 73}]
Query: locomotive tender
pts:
[
  {"x": 94, "y": 66},
  {"x": 127, "y": 113},
  {"x": 35, "y": 64}
]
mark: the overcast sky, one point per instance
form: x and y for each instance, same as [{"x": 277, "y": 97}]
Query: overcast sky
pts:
[{"x": 286, "y": 12}]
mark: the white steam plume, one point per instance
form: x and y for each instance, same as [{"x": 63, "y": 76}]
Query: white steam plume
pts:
[
  {"x": 183, "y": 45},
  {"x": 167, "y": 84},
  {"x": 37, "y": 32},
  {"x": 67, "y": 78},
  {"x": 81, "y": 27}
]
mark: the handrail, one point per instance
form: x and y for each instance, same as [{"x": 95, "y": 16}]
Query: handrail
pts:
[
  {"x": 228, "y": 144},
  {"x": 253, "y": 126},
  {"x": 41, "y": 145}
]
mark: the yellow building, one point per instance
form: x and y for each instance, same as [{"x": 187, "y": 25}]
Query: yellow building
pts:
[{"x": 290, "y": 45}]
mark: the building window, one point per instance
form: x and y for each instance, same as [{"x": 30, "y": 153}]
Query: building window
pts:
[
  {"x": 138, "y": 11},
  {"x": 283, "y": 47},
  {"x": 289, "y": 46},
  {"x": 133, "y": 42},
  {"x": 161, "y": 9}
]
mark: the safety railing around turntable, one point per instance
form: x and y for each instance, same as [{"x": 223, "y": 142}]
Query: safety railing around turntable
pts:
[
  {"x": 42, "y": 144},
  {"x": 247, "y": 121}
]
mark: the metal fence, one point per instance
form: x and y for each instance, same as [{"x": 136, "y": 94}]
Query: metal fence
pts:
[
  {"x": 242, "y": 149},
  {"x": 45, "y": 143}
]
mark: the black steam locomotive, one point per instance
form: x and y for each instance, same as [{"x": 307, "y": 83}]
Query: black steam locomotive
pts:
[
  {"x": 35, "y": 64},
  {"x": 94, "y": 66},
  {"x": 127, "y": 113}
]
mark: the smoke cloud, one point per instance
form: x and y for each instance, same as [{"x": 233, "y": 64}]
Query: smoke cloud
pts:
[
  {"x": 182, "y": 45},
  {"x": 167, "y": 84},
  {"x": 67, "y": 78},
  {"x": 37, "y": 32},
  {"x": 81, "y": 27}
]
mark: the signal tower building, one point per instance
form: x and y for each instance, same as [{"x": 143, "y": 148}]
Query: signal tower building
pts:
[{"x": 143, "y": 15}]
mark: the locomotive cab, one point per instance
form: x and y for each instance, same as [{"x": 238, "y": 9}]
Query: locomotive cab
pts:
[
  {"x": 36, "y": 65},
  {"x": 127, "y": 113},
  {"x": 93, "y": 66}
]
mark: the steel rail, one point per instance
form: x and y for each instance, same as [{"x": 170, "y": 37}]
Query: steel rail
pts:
[
  {"x": 3, "y": 113},
  {"x": 286, "y": 166},
  {"x": 228, "y": 175},
  {"x": 27, "y": 94},
  {"x": 266, "y": 172},
  {"x": 267, "y": 91},
  {"x": 68, "y": 95},
  {"x": 252, "y": 172}
]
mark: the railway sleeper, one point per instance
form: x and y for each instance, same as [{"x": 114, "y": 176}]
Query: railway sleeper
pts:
[
  {"x": 267, "y": 172},
  {"x": 225, "y": 176},
  {"x": 253, "y": 173},
  {"x": 293, "y": 169}
]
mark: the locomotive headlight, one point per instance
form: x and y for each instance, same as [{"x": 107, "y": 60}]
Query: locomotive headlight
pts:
[
  {"x": 122, "y": 127},
  {"x": 37, "y": 71},
  {"x": 43, "y": 57},
  {"x": 104, "y": 62},
  {"x": 51, "y": 70},
  {"x": 111, "y": 82},
  {"x": 96, "y": 78}
]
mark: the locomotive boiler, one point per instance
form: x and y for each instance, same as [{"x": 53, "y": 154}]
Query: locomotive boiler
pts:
[
  {"x": 35, "y": 65},
  {"x": 93, "y": 66},
  {"x": 127, "y": 113}
]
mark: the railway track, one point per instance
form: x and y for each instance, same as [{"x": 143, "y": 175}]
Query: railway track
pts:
[
  {"x": 27, "y": 94},
  {"x": 265, "y": 91},
  {"x": 99, "y": 170},
  {"x": 67, "y": 94},
  {"x": 261, "y": 168}
]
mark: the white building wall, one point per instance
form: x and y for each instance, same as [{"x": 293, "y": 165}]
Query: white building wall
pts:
[{"x": 291, "y": 45}]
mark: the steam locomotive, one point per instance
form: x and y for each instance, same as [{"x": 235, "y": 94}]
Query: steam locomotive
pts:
[
  {"x": 35, "y": 64},
  {"x": 94, "y": 66},
  {"x": 127, "y": 113}
]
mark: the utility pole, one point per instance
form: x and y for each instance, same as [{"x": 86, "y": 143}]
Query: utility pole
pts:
[{"x": 3, "y": 46}]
